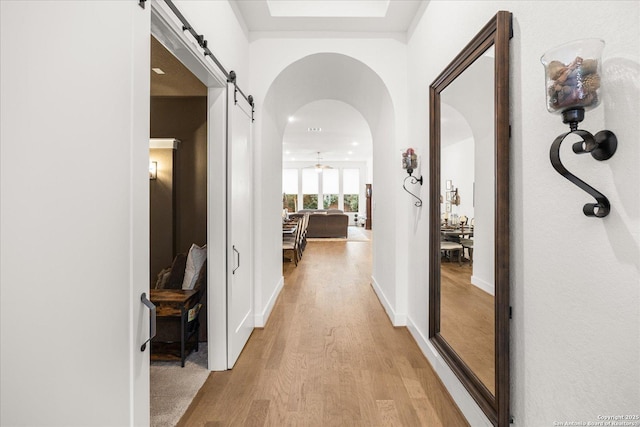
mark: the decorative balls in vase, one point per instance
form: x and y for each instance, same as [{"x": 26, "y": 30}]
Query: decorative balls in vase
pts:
[{"x": 572, "y": 74}]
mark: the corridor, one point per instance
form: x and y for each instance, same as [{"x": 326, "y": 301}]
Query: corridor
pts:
[{"x": 328, "y": 356}]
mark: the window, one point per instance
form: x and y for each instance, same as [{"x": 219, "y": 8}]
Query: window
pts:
[
  {"x": 306, "y": 188},
  {"x": 309, "y": 189},
  {"x": 351, "y": 189},
  {"x": 330, "y": 188},
  {"x": 290, "y": 189}
]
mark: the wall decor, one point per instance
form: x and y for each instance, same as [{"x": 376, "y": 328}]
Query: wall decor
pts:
[
  {"x": 410, "y": 163},
  {"x": 481, "y": 69},
  {"x": 573, "y": 73}
]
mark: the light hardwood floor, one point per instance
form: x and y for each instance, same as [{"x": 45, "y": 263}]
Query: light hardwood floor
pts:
[
  {"x": 467, "y": 321},
  {"x": 328, "y": 356}
]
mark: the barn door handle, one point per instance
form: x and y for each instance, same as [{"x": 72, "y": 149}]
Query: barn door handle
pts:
[
  {"x": 152, "y": 319},
  {"x": 238, "y": 266}
]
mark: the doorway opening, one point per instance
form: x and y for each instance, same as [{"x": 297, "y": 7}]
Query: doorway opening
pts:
[
  {"x": 327, "y": 161},
  {"x": 178, "y": 234},
  {"x": 355, "y": 105},
  {"x": 221, "y": 129}
]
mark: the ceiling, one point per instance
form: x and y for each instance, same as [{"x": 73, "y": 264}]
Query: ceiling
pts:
[
  {"x": 333, "y": 92},
  {"x": 369, "y": 16},
  {"x": 341, "y": 124},
  {"x": 177, "y": 80},
  {"x": 344, "y": 134}
]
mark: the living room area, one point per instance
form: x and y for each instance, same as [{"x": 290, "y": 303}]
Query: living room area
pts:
[{"x": 327, "y": 170}]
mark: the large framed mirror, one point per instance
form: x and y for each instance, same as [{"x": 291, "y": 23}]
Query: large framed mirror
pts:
[{"x": 469, "y": 217}]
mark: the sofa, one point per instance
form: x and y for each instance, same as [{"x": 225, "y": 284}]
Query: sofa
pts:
[{"x": 325, "y": 222}]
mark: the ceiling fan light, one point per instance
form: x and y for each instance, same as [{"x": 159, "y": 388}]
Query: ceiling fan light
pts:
[{"x": 319, "y": 166}]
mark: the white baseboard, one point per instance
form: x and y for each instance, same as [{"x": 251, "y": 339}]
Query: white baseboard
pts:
[
  {"x": 460, "y": 395},
  {"x": 397, "y": 319},
  {"x": 483, "y": 284},
  {"x": 261, "y": 318}
]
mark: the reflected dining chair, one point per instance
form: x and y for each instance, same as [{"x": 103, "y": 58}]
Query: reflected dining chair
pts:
[
  {"x": 448, "y": 247},
  {"x": 468, "y": 245}
]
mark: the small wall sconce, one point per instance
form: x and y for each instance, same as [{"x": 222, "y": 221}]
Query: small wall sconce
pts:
[
  {"x": 153, "y": 170},
  {"x": 455, "y": 197},
  {"x": 573, "y": 73},
  {"x": 409, "y": 163}
]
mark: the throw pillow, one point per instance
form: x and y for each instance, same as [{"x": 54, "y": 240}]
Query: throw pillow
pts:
[
  {"x": 163, "y": 278},
  {"x": 196, "y": 257}
]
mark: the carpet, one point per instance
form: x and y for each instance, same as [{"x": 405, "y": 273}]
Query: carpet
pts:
[
  {"x": 173, "y": 387},
  {"x": 358, "y": 234}
]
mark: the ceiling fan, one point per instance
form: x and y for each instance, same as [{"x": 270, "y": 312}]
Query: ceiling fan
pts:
[{"x": 319, "y": 166}]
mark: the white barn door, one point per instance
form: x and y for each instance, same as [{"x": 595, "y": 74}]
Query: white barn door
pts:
[
  {"x": 240, "y": 307},
  {"x": 74, "y": 213}
]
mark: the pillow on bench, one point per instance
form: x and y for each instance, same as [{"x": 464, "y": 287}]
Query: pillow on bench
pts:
[
  {"x": 196, "y": 258},
  {"x": 176, "y": 275},
  {"x": 184, "y": 272},
  {"x": 163, "y": 278}
]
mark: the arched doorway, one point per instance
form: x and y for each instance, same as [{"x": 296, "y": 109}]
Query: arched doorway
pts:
[{"x": 338, "y": 77}]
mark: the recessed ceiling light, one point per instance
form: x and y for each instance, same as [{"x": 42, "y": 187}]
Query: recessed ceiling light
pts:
[
  {"x": 291, "y": 118},
  {"x": 354, "y": 143},
  {"x": 293, "y": 159},
  {"x": 158, "y": 70},
  {"x": 314, "y": 129},
  {"x": 350, "y": 152},
  {"x": 287, "y": 152}
]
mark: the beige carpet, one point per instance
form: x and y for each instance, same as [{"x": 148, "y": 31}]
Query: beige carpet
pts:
[
  {"x": 354, "y": 234},
  {"x": 173, "y": 387}
]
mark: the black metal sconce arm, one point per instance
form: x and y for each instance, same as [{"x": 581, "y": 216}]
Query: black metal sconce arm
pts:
[
  {"x": 414, "y": 180},
  {"x": 601, "y": 146}
]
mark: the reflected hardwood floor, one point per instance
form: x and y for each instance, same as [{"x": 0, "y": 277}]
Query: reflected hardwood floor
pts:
[
  {"x": 467, "y": 320},
  {"x": 327, "y": 356}
]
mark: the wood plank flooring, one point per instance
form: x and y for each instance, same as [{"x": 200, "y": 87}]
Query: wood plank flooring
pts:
[
  {"x": 467, "y": 321},
  {"x": 328, "y": 356}
]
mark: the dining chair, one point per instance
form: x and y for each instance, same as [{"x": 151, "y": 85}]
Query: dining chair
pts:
[
  {"x": 468, "y": 245},
  {"x": 292, "y": 243},
  {"x": 303, "y": 237},
  {"x": 449, "y": 247}
]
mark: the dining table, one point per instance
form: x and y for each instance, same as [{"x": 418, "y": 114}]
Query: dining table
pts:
[{"x": 457, "y": 232}]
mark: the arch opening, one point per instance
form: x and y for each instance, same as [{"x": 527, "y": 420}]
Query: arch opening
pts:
[{"x": 341, "y": 78}]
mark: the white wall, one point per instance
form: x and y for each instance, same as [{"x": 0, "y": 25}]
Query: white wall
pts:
[
  {"x": 575, "y": 282},
  {"x": 72, "y": 266},
  {"x": 384, "y": 59},
  {"x": 457, "y": 164},
  {"x": 75, "y": 133},
  {"x": 224, "y": 34}
]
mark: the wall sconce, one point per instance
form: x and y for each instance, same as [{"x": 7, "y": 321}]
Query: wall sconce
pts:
[
  {"x": 409, "y": 163},
  {"x": 153, "y": 170},
  {"x": 455, "y": 197},
  {"x": 573, "y": 73}
]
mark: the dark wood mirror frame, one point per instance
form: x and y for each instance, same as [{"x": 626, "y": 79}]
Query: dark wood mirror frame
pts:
[{"x": 497, "y": 32}]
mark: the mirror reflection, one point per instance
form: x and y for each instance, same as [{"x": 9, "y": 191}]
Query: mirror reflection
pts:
[{"x": 467, "y": 316}]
